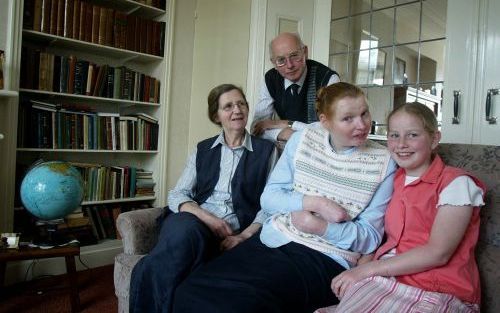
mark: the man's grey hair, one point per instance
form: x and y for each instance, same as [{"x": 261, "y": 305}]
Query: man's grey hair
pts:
[{"x": 294, "y": 35}]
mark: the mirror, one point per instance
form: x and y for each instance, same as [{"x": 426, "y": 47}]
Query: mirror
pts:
[{"x": 393, "y": 49}]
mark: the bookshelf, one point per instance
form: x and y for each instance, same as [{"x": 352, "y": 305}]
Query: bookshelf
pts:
[
  {"x": 106, "y": 51},
  {"x": 144, "y": 61},
  {"x": 8, "y": 94}
]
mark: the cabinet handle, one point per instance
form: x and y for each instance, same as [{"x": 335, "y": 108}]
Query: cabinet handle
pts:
[
  {"x": 456, "y": 96},
  {"x": 491, "y": 92}
]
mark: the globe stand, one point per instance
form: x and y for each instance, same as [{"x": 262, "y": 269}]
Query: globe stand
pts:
[{"x": 48, "y": 235}]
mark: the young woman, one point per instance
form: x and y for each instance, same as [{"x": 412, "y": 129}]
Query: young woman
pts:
[
  {"x": 326, "y": 196},
  {"x": 215, "y": 201},
  {"x": 427, "y": 263}
]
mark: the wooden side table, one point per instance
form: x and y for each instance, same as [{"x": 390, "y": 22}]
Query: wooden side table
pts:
[{"x": 26, "y": 253}]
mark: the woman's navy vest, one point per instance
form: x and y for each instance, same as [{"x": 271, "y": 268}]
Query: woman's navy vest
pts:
[{"x": 248, "y": 181}]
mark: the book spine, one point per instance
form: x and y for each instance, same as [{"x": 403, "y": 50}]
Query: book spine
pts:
[
  {"x": 96, "y": 16},
  {"x": 68, "y": 18},
  {"x": 53, "y": 17},
  {"x": 45, "y": 19}
]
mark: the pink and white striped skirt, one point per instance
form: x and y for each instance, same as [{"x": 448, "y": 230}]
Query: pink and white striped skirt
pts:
[{"x": 381, "y": 295}]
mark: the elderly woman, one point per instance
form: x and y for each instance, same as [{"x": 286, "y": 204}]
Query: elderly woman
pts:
[{"x": 216, "y": 203}]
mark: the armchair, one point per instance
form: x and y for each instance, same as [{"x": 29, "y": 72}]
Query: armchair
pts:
[{"x": 139, "y": 233}]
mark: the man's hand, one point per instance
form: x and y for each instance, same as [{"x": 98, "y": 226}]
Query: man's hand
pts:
[
  {"x": 328, "y": 209},
  {"x": 263, "y": 125},
  {"x": 308, "y": 222},
  {"x": 285, "y": 134}
]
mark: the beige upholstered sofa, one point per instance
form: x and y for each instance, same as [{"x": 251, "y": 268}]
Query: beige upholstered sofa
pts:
[{"x": 139, "y": 231}]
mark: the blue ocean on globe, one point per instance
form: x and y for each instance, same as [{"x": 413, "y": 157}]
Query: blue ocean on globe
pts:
[{"x": 52, "y": 190}]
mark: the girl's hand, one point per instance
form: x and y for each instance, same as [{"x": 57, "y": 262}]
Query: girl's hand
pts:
[{"x": 342, "y": 282}]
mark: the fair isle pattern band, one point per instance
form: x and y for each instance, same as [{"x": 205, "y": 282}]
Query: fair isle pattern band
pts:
[
  {"x": 348, "y": 179},
  {"x": 379, "y": 295},
  {"x": 283, "y": 223}
]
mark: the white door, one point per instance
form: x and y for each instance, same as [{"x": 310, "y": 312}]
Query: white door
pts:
[
  {"x": 288, "y": 16},
  {"x": 311, "y": 19}
]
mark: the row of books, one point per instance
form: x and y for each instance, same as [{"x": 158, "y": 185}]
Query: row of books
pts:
[
  {"x": 66, "y": 74},
  {"x": 114, "y": 182},
  {"x": 45, "y": 125},
  {"x": 85, "y": 21}
]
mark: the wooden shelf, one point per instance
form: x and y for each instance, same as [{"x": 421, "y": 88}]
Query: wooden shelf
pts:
[
  {"x": 121, "y": 200},
  {"x": 92, "y": 98},
  {"x": 136, "y": 8},
  {"x": 87, "y": 151},
  {"x": 104, "y": 244},
  {"x": 89, "y": 47},
  {"x": 8, "y": 93}
]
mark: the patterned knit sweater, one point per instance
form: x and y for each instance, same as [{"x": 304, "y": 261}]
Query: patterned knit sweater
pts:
[{"x": 348, "y": 179}]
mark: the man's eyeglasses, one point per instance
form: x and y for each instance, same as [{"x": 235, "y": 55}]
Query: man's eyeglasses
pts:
[
  {"x": 295, "y": 56},
  {"x": 228, "y": 107}
]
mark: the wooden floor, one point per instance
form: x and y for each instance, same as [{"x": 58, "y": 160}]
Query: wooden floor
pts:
[{"x": 97, "y": 294}]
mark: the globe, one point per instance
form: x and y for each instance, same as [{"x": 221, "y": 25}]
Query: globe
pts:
[{"x": 52, "y": 190}]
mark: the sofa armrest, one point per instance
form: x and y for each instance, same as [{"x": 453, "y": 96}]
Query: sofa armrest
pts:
[{"x": 139, "y": 230}]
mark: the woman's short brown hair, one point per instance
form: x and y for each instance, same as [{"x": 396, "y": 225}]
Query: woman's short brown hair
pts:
[
  {"x": 329, "y": 95},
  {"x": 213, "y": 99}
]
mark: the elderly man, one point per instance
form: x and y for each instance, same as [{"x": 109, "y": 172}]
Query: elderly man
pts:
[{"x": 290, "y": 89}]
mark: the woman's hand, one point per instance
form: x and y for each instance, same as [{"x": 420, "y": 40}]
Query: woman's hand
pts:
[
  {"x": 328, "y": 209},
  {"x": 217, "y": 225},
  {"x": 308, "y": 222},
  {"x": 231, "y": 241},
  {"x": 342, "y": 282}
]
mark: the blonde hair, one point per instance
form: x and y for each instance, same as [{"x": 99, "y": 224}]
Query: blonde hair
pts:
[
  {"x": 328, "y": 96},
  {"x": 421, "y": 112}
]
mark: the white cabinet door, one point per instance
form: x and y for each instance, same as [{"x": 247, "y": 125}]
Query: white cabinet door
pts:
[
  {"x": 487, "y": 117},
  {"x": 472, "y": 71},
  {"x": 460, "y": 69}
]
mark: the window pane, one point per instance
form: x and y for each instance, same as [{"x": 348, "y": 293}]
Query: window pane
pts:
[
  {"x": 341, "y": 64},
  {"x": 361, "y": 67},
  {"x": 407, "y": 23},
  {"x": 382, "y": 26},
  {"x": 359, "y": 6},
  {"x": 380, "y": 103},
  {"x": 433, "y": 19},
  {"x": 339, "y": 38},
  {"x": 405, "y": 64},
  {"x": 340, "y": 8},
  {"x": 432, "y": 61},
  {"x": 379, "y": 4},
  {"x": 360, "y": 30}
]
